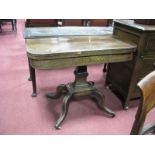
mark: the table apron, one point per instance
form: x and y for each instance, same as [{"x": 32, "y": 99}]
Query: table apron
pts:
[{"x": 79, "y": 61}]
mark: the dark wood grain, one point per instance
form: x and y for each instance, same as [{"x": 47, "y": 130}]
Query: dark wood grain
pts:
[{"x": 147, "y": 89}]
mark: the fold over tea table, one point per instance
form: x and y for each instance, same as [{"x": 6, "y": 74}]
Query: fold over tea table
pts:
[{"x": 52, "y": 48}]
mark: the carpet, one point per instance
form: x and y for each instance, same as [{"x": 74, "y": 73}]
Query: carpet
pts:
[{"x": 22, "y": 114}]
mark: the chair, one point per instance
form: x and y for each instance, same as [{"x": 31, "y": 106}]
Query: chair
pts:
[
  {"x": 41, "y": 22},
  {"x": 99, "y": 22},
  {"x": 72, "y": 22},
  {"x": 12, "y": 21},
  {"x": 147, "y": 103}
]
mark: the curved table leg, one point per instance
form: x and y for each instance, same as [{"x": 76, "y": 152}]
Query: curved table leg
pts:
[
  {"x": 64, "y": 111},
  {"x": 100, "y": 103},
  {"x": 80, "y": 87},
  {"x": 60, "y": 89}
]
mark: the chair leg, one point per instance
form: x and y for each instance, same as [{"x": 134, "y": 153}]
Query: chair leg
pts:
[
  {"x": 138, "y": 123},
  {"x": 0, "y": 27},
  {"x": 13, "y": 22},
  {"x": 12, "y": 25}
]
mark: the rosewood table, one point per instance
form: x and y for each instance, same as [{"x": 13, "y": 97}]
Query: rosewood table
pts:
[{"x": 52, "y": 48}]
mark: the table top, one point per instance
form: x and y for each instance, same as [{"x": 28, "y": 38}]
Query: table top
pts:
[
  {"x": 45, "y": 32},
  {"x": 75, "y": 49},
  {"x": 76, "y": 46}
]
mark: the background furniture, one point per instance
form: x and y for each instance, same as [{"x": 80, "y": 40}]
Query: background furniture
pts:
[
  {"x": 122, "y": 78},
  {"x": 41, "y": 22},
  {"x": 99, "y": 22},
  {"x": 73, "y": 22},
  {"x": 147, "y": 103},
  {"x": 145, "y": 21},
  {"x": 67, "y": 22},
  {"x": 12, "y": 21}
]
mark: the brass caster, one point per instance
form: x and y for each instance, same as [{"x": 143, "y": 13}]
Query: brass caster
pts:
[
  {"x": 34, "y": 94},
  {"x": 30, "y": 79},
  {"x": 57, "y": 127},
  {"x": 126, "y": 108}
]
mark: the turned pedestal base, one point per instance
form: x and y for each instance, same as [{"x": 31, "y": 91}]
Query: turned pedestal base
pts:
[{"x": 80, "y": 87}]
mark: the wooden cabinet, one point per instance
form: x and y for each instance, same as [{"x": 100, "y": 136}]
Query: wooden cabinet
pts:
[{"x": 122, "y": 78}]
